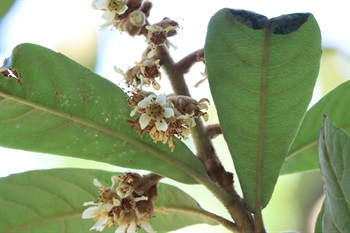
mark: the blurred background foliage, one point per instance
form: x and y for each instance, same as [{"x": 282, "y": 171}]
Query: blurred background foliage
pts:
[{"x": 297, "y": 197}]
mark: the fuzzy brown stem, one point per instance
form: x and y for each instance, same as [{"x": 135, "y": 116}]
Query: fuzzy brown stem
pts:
[
  {"x": 185, "y": 64},
  {"x": 205, "y": 150},
  {"x": 213, "y": 131}
]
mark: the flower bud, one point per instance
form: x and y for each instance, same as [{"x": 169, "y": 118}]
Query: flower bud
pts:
[
  {"x": 146, "y": 8},
  {"x": 137, "y": 18}
]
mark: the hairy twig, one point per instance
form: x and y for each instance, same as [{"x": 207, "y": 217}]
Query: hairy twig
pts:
[
  {"x": 185, "y": 64},
  {"x": 213, "y": 130},
  {"x": 206, "y": 153}
]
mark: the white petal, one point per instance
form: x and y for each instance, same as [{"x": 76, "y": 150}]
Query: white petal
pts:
[
  {"x": 119, "y": 71},
  {"x": 116, "y": 202},
  {"x": 161, "y": 99},
  {"x": 142, "y": 198},
  {"x": 150, "y": 28},
  {"x": 144, "y": 120},
  {"x": 132, "y": 228},
  {"x": 168, "y": 112},
  {"x": 108, "y": 15},
  {"x": 93, "y": 5},
  {"x": 113, "y": 178},
  {"x": 121, "y": 228},
  {"x": 144, "y": 103},
  {"x": 133, "y": 112},
  {"x": 89, "y": 203},
  {"x": 145, "y": 225},
  {"x": 161, "y": 125},
  {"x": 106, "y": 207},
  {"x": 99, "y": 225},
  {"x": 105, "y": 25},
  {"x": 122, "y": 9},
  {"x": 151, "y": 53},
  {"x": 102, "y": 5},
  {"x": 91, "y": 212},
  {"x": 97, "y": 183}
]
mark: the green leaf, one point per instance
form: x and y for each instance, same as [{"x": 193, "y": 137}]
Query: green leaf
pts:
[
  {"x": 39, "y": 201},
  {"x": 261, "y": 73},
  {"x": 318, "y": 223},
  {"x": 302, "y": 155},
  {"x": 65, "y": 109},
  {"x": 5, "y": 6},
  {"x": 334, "y": 151}
]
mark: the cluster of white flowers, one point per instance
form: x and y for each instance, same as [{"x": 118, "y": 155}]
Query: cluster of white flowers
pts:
[
  {"x": 165, "y": 117},
  {"x": 119, "y": 205}
]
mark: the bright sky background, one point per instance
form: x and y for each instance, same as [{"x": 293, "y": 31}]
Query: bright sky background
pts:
[{"x": 48, "y": 23}]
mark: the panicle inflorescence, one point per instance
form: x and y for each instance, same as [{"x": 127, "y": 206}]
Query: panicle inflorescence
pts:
[
  {"x": 163, "y": 117},
  {"x": 130, "y": 204}
]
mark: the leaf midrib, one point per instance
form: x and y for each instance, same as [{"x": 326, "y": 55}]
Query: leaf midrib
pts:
[
  {"x": 162, "y": 155},
  {"x": 262, "y": 122}
]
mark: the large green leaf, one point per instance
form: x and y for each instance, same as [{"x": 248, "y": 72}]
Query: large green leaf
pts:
[
  {"x": 334, "y": 151},
  {"x": 63, "y": 108},
  {"x": 39, "y": 201},
  {"x": 302, "y": 155},
  {"x": 261, "y": 73}
]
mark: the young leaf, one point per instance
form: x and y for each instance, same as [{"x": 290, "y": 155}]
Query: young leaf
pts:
[
  {"x": 39, "y": 201},
  {"x": 302, "y": 155},
  {"x": 334, "y": 151},
  {"x": 261, "y": 74},
  {"x": 59, "y": 107}
]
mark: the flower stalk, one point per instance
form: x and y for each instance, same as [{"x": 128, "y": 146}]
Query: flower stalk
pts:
[{"x": 165, "y": 117}]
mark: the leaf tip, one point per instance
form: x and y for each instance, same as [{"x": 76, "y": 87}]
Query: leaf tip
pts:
[{"x": 283, "y": 24}]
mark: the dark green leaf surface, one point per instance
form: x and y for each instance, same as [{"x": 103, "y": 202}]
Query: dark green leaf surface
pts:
[
  {"x": 303, "y": 155},
  {"x": 334, "y": 151},
  {"x": 65, "y": 109},
  {"x": 261, "y": 73},
  {"x": 52, "y": 201}
]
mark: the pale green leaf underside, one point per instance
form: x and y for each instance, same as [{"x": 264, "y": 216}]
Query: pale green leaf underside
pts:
[
  {"x": 261, "y": 83},
  {"x": 334, "y": 151},
  {"x": 52, "y": 201},
  {"x": 65, "y": 109},
  {"x": 303, "y": 155}
]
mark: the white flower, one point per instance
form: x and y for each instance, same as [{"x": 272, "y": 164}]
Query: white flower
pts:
[
  {"x": 111, "y": 208},
  {"x": 131, "y": 227},
  {"x": 98, "y": 212},
  {"x": 126, "y": 228},
  {"x": 156, "y": 109},
  {"x": 101, "y": 223},
  {"x": 110, "y": 8},
  {"x": 147, "y": 227}
]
